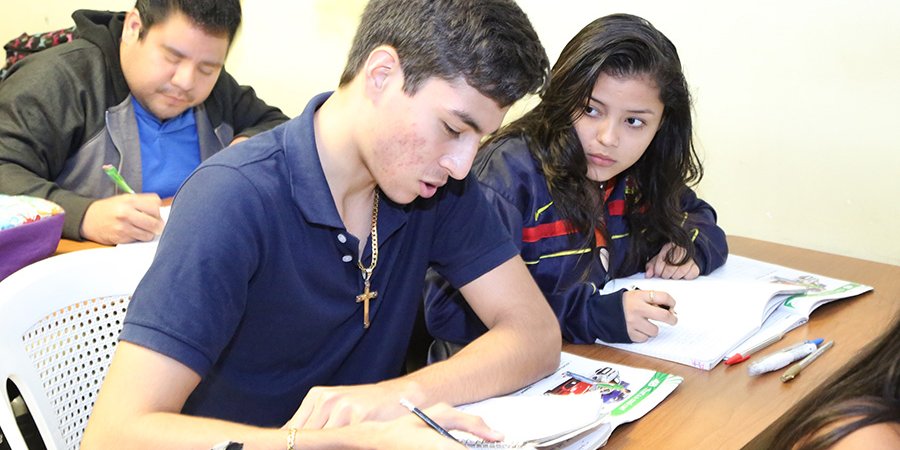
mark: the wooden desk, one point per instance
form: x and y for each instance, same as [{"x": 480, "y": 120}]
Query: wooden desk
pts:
[
  {"x": 725, "y": 408},
  {"x": 67, "y": 245}
]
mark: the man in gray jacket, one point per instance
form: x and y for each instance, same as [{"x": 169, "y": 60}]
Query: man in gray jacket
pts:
[{"x": 144, "y": 91}]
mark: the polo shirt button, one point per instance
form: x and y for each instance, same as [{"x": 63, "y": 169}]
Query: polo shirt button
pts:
[
  {"x": 347, "y": 258},
  {"x": 341, "y": 238}
]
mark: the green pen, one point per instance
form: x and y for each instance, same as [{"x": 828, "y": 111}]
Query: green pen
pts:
[{"x": 117, "y": 178}]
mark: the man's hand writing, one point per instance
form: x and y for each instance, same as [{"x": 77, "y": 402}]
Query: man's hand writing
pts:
[{"x": 123, "y": 218}]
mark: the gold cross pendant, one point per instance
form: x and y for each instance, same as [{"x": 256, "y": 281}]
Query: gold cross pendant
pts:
[{"x": 364, "y": 298}]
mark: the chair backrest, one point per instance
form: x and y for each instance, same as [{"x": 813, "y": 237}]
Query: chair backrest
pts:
[{"x": 59, "y": 323}]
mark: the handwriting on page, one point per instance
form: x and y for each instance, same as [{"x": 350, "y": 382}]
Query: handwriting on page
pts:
[{"x": 713, "y": 315}]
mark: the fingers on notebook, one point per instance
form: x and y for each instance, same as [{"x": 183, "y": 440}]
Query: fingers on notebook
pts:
[
  {"x": 453, "y": 419},
  {"x": 658, "y": 267}
]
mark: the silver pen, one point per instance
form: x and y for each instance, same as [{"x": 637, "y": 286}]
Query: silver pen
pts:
[
  {"x": 796, "y": 368},
  {"x": 745, "y": 355}
]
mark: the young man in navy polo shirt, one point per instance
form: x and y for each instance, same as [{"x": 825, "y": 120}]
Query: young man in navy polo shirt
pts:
[{"x": 286, "y": 284}]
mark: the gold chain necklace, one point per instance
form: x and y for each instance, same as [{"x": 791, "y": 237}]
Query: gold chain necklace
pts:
[{"x": 367, "y": 271}]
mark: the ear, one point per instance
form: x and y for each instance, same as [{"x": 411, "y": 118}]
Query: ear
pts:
[
  {"x": 131, "y": 28},
  {"x": 381, "y": 69}
]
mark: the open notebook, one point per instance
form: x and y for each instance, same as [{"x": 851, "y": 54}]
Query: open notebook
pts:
[
  {"x": 562, "y": 412},
  {"x": 793, "y": 310},
  {"x": 741, "y": 303}
]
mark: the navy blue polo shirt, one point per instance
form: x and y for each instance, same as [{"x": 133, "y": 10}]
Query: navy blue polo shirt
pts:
[{"x": 255, "y": 279}]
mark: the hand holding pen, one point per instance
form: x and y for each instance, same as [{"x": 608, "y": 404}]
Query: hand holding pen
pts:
[
  {"x": 783, "y": 357},
  {"x": 469, "y": 424},
  {"x": 122, "y": 218},
  {"x": 431, "y": 423},
  {"x": 642, "y": 306}
]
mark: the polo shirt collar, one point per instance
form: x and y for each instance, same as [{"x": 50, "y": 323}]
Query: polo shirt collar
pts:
[
  {"x": 309, "y": 188},
  {"x": 153, "y": 125}
]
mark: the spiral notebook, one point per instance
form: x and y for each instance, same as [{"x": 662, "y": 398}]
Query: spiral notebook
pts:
[{"x": 563, "y": 412}]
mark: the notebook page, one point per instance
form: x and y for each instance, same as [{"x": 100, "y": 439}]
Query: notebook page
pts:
[
  {"x": 625, "y": 394},
  {"x": 793, "y": 310},
  {"x": 538, "y": 418},
  {"x": 714, "y": 315},
  {"x": 819, "y": 288}
]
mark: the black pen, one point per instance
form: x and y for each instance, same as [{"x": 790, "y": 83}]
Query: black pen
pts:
[
  {"x": 418, "y": 412},
  {"x": 652, "y": 300}
]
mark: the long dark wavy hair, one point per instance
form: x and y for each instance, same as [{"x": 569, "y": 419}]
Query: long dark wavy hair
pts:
[
  {"x": 866, "y": 393},
  {"x": 622, "y": 46}
]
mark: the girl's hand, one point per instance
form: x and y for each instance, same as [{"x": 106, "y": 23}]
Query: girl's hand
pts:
[
  {"x": 640, "y": 306},
  {"x": 658, "y": 267}
]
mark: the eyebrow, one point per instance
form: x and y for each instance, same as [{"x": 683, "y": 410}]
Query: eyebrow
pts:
[
  {"x": 467, "y": 119},
  {"x": 178, "y": 54},
  {"x": 632, "y": 111}
]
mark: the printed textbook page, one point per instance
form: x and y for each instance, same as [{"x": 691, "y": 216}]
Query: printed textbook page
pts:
[
  {"x": 561, "y": 412},
  {"x": 793, "y": 310}
]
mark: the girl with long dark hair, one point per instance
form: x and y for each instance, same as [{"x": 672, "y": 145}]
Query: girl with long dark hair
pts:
[{"x": 593, "y": 184}]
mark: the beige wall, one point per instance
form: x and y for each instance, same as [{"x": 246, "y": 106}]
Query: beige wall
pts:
[{"x": 796, "y": 102}]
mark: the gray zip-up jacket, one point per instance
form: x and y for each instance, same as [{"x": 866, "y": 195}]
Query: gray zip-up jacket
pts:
[{"x": 66, "y": 111}]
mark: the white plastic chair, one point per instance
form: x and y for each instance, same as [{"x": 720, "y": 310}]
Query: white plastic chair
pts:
[{"x": 59, "y": 323}]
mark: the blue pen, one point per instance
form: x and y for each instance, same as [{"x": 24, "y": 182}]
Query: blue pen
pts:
[
  {"x": 578, "y": 377},
  {"x": 817, "y": 341},
  {"x": 783, "y": 357}
]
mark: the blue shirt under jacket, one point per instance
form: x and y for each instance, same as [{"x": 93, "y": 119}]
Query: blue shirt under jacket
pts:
[
  {"x": 170, "y": 150},
  {"x": 255, "y": 280}
]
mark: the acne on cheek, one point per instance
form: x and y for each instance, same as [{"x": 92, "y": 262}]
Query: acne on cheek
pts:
[{"x": 400, "y": 152}]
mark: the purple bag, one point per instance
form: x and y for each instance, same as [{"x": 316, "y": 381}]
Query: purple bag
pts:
[{"x": 30, "y": 229}]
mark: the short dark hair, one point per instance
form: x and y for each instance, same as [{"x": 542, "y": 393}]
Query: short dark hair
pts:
[
  {"x": 489, "y": 43},
  {"x": 215, "y": 17}
]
